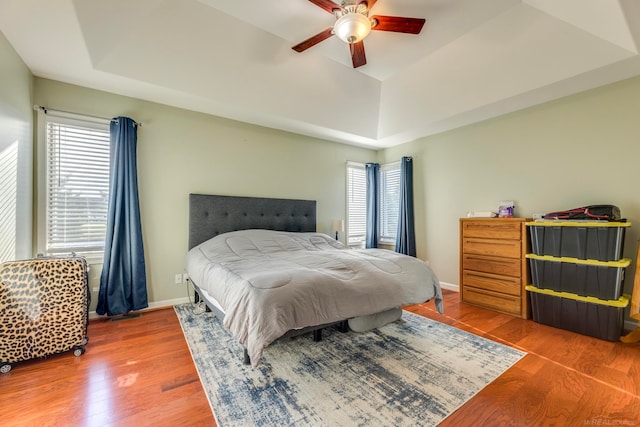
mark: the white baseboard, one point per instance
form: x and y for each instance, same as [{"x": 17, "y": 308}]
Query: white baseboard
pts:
[
  {"x": 450, "y": 286},
  {"x": 152, "y": 306},
  {"x": 630, "y": 325}
]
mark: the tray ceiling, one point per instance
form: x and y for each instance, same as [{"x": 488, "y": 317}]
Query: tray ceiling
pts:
[{"x": 473, "y": 59}]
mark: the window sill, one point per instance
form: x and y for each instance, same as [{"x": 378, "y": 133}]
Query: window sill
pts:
[{"x": 91, "y": 257}]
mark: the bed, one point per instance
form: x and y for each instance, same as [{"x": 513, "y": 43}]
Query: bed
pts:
[{"x": 260, "y": 265}]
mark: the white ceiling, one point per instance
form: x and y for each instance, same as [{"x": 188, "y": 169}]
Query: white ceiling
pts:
[{"x": 473, "y": 59}]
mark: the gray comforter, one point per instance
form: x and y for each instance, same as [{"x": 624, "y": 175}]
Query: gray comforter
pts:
[{"x": 269, "y": 282}]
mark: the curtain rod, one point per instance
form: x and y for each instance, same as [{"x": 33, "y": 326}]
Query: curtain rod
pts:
[{"x": 45, "y": 109}]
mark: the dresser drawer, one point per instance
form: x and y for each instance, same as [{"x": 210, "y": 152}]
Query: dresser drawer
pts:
[
  {"x": 489, "y": 264},
  {"x": 493, "y": 269},
  {"x": 492, "y": 229},
  {"x": 493, "y": 247},
  {"x": 500, "y": 302},
  {"x": 492, "y": 282}
]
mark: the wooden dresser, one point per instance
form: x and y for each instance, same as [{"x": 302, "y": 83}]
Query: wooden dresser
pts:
[{"x": 493, "y": 267}]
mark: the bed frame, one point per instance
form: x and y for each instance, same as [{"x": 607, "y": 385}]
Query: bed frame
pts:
[{"x": 210, "y": 215}]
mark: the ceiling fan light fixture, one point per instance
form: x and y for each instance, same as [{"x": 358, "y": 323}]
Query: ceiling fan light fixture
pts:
[{"x": 352, "y": 27}]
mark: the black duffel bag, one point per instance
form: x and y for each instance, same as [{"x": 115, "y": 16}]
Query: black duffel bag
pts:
[{"x": 593, "y": 212}]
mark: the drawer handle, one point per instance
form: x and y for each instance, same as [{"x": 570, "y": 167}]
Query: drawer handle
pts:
[
  {"x": 492, "y": 276},
  {"x": 492, "y": 261}
]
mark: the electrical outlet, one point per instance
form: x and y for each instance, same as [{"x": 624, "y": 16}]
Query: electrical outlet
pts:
[
  {"x": 178, "y": 279},
  {"x": 185, "y": 277}
]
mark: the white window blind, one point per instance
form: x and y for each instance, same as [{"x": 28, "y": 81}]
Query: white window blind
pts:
[
  {"x": 356, "y": 203},
  {"x": 77, "y": 185},
  {"x": 389, "y": 202}
]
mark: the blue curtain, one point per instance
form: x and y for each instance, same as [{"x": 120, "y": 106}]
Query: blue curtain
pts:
[
  {"x": 123, "y": 284},
  {"x": 406, "y": 239},
  {"x": 372, "y": 171}
]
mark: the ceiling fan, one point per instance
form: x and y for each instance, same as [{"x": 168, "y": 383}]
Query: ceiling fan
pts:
[{"x": 353, "y": 24}]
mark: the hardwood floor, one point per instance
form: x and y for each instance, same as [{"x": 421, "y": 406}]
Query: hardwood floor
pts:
[
  {"x": 139, "y": 372},
  {"x": 136, "y": 372},
  {"x": 566, "y": 379}
]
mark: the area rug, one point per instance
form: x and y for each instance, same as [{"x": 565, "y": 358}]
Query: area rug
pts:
[{"x": 414, "y": 371}]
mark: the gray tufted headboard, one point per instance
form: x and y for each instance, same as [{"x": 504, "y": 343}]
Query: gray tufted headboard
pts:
[{"x": 210, "y": 215}]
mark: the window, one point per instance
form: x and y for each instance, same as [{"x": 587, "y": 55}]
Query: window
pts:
[
  {"x": 389, "y": 202},
  {"x": 73, "y": 184},
  {"x": 356, "y": 204}
]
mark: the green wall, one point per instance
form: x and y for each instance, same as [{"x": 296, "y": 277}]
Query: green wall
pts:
[
  {"x": 580, "y": 150},
  {"x": 182, "y": 152},
  {"x": 16, "y": 142}
]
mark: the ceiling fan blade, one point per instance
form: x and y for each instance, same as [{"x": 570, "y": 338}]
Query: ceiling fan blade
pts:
[
  {"x": 314, "y": 40},
  {"x": 327, "y": 5},
  {"x": 397, "y": 24},
  {"x": 357, "y": 54},
  {"x": 370, "y": 3}
]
